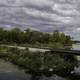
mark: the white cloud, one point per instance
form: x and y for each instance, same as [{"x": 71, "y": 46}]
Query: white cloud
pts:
[{"x": 78, "y": 29}]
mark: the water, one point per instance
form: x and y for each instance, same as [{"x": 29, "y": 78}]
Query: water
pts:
[
  {"x": 77, "y": 47},
  {"x": 8, "y": 71}
]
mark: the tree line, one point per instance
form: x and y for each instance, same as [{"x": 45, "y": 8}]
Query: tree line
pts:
[{"x": 33, "y": 37}]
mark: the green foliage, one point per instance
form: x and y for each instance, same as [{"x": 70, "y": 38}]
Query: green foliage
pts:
[
  {"x": 16, "y": 36},
  {"x": 56, "y": 45},
  {"x": 60, "y": 40}
]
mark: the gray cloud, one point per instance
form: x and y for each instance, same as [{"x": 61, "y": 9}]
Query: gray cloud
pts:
[{"x": 43, "y": 15}]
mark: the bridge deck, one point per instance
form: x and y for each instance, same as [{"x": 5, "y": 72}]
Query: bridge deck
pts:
[{"x": 73, "y": 52}]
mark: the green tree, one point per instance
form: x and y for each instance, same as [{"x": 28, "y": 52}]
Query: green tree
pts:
[
  {"x": 56, "y": 36},
  {"x": 63, "y": 38}
]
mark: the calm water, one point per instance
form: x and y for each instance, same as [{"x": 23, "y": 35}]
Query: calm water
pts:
[
  {"x": 9, "y": 71},
  {"x": 77, "y": 47}
]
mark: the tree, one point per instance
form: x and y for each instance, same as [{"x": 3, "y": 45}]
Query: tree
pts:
[
  {"x": 56, "y": 36},
  {"x": 63, "y": 38}
]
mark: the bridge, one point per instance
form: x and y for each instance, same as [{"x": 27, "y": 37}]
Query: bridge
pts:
[
  {"x": 65, "y": 51},
  {"x": 68, "y": 54}
]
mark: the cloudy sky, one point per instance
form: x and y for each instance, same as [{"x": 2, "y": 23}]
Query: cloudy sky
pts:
[{"x": 43, "y": 15}]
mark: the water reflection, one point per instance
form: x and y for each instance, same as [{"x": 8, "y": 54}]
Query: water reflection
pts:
[
  {"x": 9, "y": 71},
  {"x": 13, "y": 76},
  {"x": 77, "y": 47}
]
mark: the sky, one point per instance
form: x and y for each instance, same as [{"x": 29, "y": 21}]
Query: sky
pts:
[{"x": 42, "y": 15}]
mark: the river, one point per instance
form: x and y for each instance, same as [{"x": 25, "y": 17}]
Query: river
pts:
[
  {"x": 77, "y": 47},
  {"x": 8, "y": 71}
]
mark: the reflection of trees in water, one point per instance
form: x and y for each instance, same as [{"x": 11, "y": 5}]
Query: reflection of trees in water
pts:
[{"x": 33, "y": 62}]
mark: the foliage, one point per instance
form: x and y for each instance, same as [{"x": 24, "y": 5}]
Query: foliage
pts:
[{"x": 16, "y": 36}]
